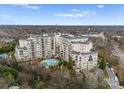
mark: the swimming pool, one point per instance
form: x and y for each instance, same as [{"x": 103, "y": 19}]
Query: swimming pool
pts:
[
  {"x": 2, "y": 56},
  {"x": 49, "y": 62}
]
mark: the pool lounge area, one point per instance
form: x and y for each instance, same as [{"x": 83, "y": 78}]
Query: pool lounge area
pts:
[{"x": 49, "y": 62}]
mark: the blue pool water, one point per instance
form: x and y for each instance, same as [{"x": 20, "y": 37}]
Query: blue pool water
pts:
[
  {"x": 49, "y": 62},
  {"x": 2, "y": 56}
]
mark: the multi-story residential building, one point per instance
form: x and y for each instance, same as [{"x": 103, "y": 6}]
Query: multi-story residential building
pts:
[
  {"x": 22, "y": 54},
  {"x": 85, "y": 61},
  {"x": 36, "y": 46},
  {"x": 65, "y": 47},
  {"x": 80, "y": 48}
]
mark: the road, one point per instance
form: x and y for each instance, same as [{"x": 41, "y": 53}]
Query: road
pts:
[
  {"x": 120, "y": 56},
  {"x": 112, "y": 81}
]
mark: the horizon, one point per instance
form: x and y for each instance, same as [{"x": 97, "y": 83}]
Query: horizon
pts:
[{"x": 52, "y": 25}]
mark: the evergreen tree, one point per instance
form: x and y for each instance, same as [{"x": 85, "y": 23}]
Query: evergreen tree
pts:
[
  {"x": 102, "y": 64},
  {"x": 70, "y": 64}
]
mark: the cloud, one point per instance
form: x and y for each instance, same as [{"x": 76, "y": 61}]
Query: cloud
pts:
[
  {"x": 70, "y": 15},
  {"x": 4, "y": 16},
  {"x": 76, "y": 13},
  {"x": 80, "y": 11},
  {"x": 86, "y": 12},
  {"x": 64, "y": 15},
  {"x": 34, "y": 7},
  {"x": 100, "y": 6},
  {"x": 74, "y": 10}
]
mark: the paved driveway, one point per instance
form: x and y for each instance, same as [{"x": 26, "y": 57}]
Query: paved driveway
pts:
[{"x": 114, "y": 84}]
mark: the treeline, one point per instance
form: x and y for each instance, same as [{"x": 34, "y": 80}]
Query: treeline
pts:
[
  {"x": 25, "y": 76},
  {"x": 37, "y": 77},
  {"x": 9, "y": 74}
]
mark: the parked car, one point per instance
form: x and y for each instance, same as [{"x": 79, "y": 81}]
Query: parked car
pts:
[{"x": 108, "y": 65}]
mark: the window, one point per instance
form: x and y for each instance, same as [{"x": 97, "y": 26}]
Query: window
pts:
[
  {"x": 43, "y": 53},
  {"x": 80, "y": 59},
  {"x": 52, "y": 40},
  {"x": 52, "y": 45},
  {"x": 42, "y": 40},
  {"x": 21, "y": 52},
  {"x": 32, "y": 43},
  {"x": 37, "y": 42}
]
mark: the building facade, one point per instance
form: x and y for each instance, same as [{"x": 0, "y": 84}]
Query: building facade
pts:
[
  {"x": 80, "y": 48},
  {"x": 65, "y": 48},
  {"x": 81, "y": 51},
  {"x": 36, "y": 46}
]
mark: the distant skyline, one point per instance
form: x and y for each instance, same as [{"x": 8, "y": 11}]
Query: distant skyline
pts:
[{"x": 62, "y": 14}]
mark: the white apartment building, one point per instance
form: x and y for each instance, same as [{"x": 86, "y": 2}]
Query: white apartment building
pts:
[
  {"x": 65, "y": 47},
  {"x": 85, "y": 61},
  {"x": 81, "y": 44},
  {"x": 80, "y": 48},
  {"x": 22, "y": 54},
  {"x": 36, "y": 46}
]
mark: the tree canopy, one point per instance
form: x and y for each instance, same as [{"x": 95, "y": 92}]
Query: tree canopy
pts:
[{"x": 102, "y": 64}]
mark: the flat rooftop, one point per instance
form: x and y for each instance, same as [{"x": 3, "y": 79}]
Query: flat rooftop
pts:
[{"x": 79, "y": 53}]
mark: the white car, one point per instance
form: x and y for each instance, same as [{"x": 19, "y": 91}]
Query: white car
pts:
[
  {"x": 112, "y": 69},
  {"x": 116, "y": 79}
]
